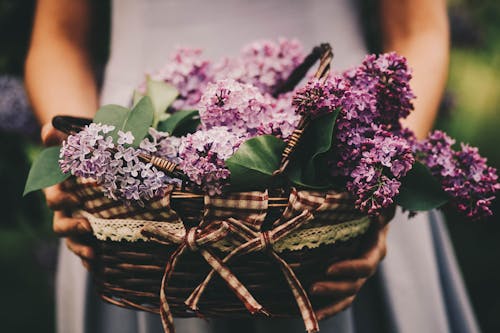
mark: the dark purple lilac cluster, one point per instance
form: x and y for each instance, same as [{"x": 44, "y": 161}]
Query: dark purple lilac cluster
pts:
[
  {"x": 370, "y": 150},
  {"x": 463, "y": 174},
  {"x": 319, "y": 97},
  {"x": 386, "y": 77},
  {"x": 92, "y": 154}
]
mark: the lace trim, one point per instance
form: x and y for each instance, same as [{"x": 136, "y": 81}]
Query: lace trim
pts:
[
  {"x": 126, "y": 229},
  {"x": 130, "y": 230}
]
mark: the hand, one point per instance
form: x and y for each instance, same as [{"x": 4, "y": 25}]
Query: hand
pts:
[
  {"x": 347, "y": 277},
  {"x": 63, "y": 203}
]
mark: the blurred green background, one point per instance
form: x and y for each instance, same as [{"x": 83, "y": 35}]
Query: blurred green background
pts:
[{"x": 28, "y": 249}]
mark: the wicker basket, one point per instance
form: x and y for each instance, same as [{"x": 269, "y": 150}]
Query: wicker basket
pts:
[{"x": 251, "y": 253}]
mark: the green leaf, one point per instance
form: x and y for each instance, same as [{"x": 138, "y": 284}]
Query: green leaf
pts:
[
  {"x": 45, "y": 171},
  {"x": 253, "y": 164},
  {"x": 162, "y": 95},
  {"x": 308, "y": 167},
  {"x": 138, "y": 120},
  {"x": 178, "y": 120},
  {"x": 136, "y": 97},
  {"x": 420, "y": 191}
]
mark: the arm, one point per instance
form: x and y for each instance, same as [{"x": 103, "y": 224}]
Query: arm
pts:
[
  {"x": 417, "y": 29},
  {"x": 59, "y": 81},
  {"x": 58, "y": 72}
]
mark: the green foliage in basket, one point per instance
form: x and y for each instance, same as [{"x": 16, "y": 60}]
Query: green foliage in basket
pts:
[
  {"x": 162, "y": 96},
  {"x": 45, "y": 171},
  {"x": 420, "y": 191},
  {"x": 308, "y": 167},
  {"x": 137, "y": 120},
  {"x": 180, "y": 123},
  {"x": 254, "y": 162}
]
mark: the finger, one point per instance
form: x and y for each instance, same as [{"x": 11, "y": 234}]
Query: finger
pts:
[
  {"x": 50, "y": 136},
  {"x": 83, "y": 251},
  {"x": 364, "y": 266},
  {"x": 70, "y": 226},
  {"x": 58, "y": 199},
  {"x": 337, "y": 289},
  {"x": 352, "y": 269},
  {"x": 334, "y": 308},
  {"x": 87, "y": 264}
]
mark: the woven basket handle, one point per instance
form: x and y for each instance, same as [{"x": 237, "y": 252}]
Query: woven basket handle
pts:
[{"x": 324, "y": 54}]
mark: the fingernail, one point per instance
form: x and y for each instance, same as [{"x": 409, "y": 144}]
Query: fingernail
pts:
[{"x": 84, "y": 227}]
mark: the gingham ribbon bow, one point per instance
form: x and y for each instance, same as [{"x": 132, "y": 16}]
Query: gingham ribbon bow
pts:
[
  {"x": 252, "y": 241},
  {"x": 197, "y": 239}
]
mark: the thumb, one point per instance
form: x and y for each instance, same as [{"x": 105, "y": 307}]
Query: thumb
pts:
[{"x": 51, "y": 136}]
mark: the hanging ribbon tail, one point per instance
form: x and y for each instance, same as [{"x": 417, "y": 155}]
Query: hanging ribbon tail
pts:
[
  {"x": 158, "y": 235},
  {"x": 167, "y": 319},
  {"x": 193, "y": 300},
  {"x": 303, "y": 302},
  {"x": 253, "y": 244}
]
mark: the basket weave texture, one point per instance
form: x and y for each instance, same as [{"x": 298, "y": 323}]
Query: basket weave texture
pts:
[{"x": 131, "y": 261}]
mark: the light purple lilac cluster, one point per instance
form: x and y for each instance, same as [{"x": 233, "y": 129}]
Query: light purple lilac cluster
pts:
[
  {"x": 203, "y": 155},
  {"x": 370, "y": 150},
  {"x": 386, "y": 77},
  {"x": 92, "y": 154},
  {"x": 463, "y": 174},
  {"x": 189, "y": 71},
  {"x": 243, "y": 109},
  {"x": 264, "y": 64}
]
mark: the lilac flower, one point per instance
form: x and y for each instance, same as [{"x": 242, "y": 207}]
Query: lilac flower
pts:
[
  {"x": 161, "y": 144},
  {"x": 280, "y": 118},
  {"x": 118, "y": 169},
  {"x": 320, "y": 97},
  {"x": 189, "y": 72},
  {"x": 387, "y": 78},
  {"x": 377, "y": 165},
  {"x": 264, "y": 64},
  {"x": 463, "y": 174},
  {"x": 240, "y": 107},
  {"x": 203, "y": 156},
  {"x": 125, "y": 138}
]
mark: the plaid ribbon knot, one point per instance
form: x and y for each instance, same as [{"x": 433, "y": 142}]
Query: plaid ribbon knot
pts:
[
  {"x": 200, "y": 239},
  {"x": 197, "y": 239}
]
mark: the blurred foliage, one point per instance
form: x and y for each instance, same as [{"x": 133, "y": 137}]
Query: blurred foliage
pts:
[{"x": 28, "y": 248}]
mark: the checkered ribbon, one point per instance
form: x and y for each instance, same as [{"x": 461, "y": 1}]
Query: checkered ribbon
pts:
[{"x": 199, "y": 239}]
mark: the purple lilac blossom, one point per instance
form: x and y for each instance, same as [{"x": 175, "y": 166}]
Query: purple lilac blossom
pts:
[
  {"x": 15, "y": 112},
  {"x": 387, "y": 78},
  {"x": 463, "y": 174},
  {"x": 379, "y": 165},
  {"x": 118, "y": 169},
  {"x": 265, "y": 64},
  {"x": 371, "y": 150},
  {"x": 319, "y": 97},
  {"x": 203, "y": 155},
  {"x": 189, "y": 71},
  {"x": 238, "y": 106},
  {"x": 280, "y": 119}
]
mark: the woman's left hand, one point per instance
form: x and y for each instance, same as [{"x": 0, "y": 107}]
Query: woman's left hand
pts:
[{"x": 347, "y": 277}]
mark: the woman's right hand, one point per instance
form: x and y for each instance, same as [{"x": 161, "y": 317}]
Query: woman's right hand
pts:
[{"x": 63, "y": 203}]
